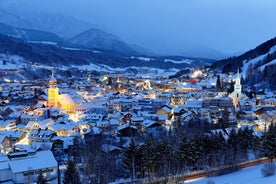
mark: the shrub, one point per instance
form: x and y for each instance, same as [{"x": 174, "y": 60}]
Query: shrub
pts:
[
  {"x": 210, "y": 182},
  {"x": 268, "y": 169}
]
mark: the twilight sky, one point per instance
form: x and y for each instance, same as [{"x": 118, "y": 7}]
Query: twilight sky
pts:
[{"x": 170, "y": 26}]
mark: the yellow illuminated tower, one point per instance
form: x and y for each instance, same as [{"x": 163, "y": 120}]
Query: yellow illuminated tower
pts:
[{"x": 53, "y": 92}]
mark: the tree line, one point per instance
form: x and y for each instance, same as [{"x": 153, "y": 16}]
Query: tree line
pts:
[{"x": 172, "y": 154}]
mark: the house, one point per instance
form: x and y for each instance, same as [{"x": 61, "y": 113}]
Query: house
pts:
[
  {"x": 25, "y": 118},
  {"x": 165, "y": 110},
  {"x": 127, "y": 118},
  {"x": 127, "y": 130},
  {"x": 10, "y": 113},
  {"x": 114, "y": 119},
  {"x": 193, "y": 104},
  {"x": 41, "y": 135},
  {"x": 177, "y": 112},
  {"x": 246, "y": 104},
  {"x": 263, "y": 110},
  {"x": 157, "y": 103},
  {"x": 93, "y": 118},
  {"x": 5, "y": 171},
  {"x": 8, "y": 125},
  {"x": 218, "y": 102},
  {"x": 269, "y": 102},
  {"x": 127, "y": 104},
  {"x": 186, "y": 117},
  {"x": 62, "y": 143},
  {"x": 97, "y": 108},
  {"x": 64, "y": 128},
  {"x": 13, "y": 136},
  {"x": 5, "y": 144},
  {"x": 25, "y": 169},
  {"x": 151, "y": 127}
]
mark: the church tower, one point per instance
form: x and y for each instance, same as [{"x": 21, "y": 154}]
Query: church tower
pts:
[
  {"x": 237, "y": 94},
  {"x": 238, "y": 86},
  {"x": 53, "y": 92}
]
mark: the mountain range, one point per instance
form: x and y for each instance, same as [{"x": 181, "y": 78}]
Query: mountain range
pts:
[
  {"x": 61, "y": 30},
  {"x": 29, "y": 37},
  {"x": 73, "y": 42},
  {"x": 50, "y": 54}
]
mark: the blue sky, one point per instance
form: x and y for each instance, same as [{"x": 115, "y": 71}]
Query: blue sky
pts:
[{"x": 171, "y": 26}]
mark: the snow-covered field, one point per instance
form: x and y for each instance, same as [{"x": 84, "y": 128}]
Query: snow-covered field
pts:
[{"x": 250, "y": 175}]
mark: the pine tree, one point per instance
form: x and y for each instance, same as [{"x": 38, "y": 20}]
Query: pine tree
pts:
[
  {"x": 71, "y": 175},
  {"x": 164, "y": 155},
  {"x": 218, "y": 84},
  {"x": 201, "y": 150},
  {"x": 182, "y": 152},
  {"x": 233, "y": 153},
  {"x": 269, "y": 143},
  {"x": 40, "y": 178},
  {"x": 131, "y": 158},
  {"x": 149, "y": 158}
]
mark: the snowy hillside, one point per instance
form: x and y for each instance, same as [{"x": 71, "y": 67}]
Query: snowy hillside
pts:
[
  {"x": 95, "y": 38},
  {"x": 258, "y": 63},
  {"x": 20, "y": 69},
  {"x": 246, "y": 176},
  {"x": 257, "y": 66},
  {"x": 8, "y": 62}
]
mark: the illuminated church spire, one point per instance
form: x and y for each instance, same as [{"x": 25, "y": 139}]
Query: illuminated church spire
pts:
[
  {"x": 53, "y": 91},
  {"x": 238, "y": 86},
  {"x": 237, "y": 94}
]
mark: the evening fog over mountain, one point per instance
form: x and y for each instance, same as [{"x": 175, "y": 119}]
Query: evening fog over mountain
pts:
[{"x": 198, "y": 28}]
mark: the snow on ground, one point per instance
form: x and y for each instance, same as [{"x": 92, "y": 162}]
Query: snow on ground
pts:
[
  {"x": 250, "y": 62},
  {"x": 43, "y": 42},
  {"x": 145, "y": 59},
  {"x": 151, "y": 72},
  {"x": 250, "y": 175},
  {"x": 255, "y": 60},
  {"x": 72, "y": 48},
  {"x": 188, "y": 61},
  {"x": 17, "y": 62},
  {"x": 267, "y": 64},
  {"x": 12, "y": 62},
  {"x": 272, "y": 49},
  {"x": 100, "y": 68}
]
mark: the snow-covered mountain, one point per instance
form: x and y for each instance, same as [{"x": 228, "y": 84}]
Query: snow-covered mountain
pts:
[
  {"x": 53, "y": 55},
  {"x": 63, "y": 26},
  {"x": 257, "y": 66},
  {"x": 30, "y": 35},
  {"x": 98, "y": 39},
  {"x": 68, "y": 28}
]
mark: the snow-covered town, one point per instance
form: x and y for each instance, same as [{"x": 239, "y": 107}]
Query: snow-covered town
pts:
[
  {"x": 137, "y": 92},
  {"x": 44, "y": 124}
]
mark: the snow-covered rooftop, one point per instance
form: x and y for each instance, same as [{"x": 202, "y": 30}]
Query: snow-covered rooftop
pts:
[{"x": 42, "y": 159}]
